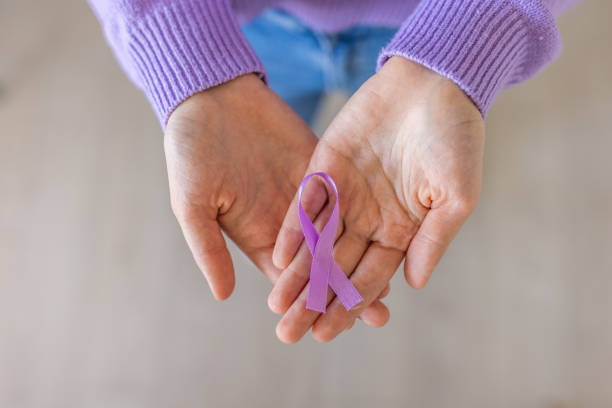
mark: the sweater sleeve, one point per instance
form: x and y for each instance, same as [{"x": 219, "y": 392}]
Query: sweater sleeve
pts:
[
  {"x": 172, "y": 49},
  {"x": 484, "y": 46}
]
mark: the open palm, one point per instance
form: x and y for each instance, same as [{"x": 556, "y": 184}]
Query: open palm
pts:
[
  {"x": 406, "y": 155},
  {"x": 236, "y": 154}
]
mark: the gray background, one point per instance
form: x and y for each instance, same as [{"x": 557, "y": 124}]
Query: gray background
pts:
[{"x": 102, "y": 306}]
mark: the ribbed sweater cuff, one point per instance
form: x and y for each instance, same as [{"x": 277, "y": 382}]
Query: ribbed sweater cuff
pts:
[
  {"x": 181, "y": 47},
  {"x": 481, "y": 45}
]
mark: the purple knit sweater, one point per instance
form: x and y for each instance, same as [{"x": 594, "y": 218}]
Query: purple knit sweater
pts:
[{"x": 172, "y": 49}]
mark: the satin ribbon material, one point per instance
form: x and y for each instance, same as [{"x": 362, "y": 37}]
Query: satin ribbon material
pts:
[{"x": 324, "y": 270}]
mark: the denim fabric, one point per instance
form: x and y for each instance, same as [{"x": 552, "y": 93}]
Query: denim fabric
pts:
[{"x": 303, "y": 64}]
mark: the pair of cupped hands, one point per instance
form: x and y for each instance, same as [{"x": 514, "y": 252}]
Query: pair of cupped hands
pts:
[{"x": 406, "y": 155}]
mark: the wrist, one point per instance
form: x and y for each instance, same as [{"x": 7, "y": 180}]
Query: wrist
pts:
[
  {"x": 203, "y": 105},
  {"x": 406, "y": 77}
]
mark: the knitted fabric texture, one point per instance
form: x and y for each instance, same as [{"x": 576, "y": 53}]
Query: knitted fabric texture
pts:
[{"x": 172, "y": 49}]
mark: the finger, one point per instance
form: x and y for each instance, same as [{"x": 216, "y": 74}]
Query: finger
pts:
[
  {"x": 350, "y": 326},
  {"x": 373, "y": 312},
  {"x": 290, "y": 236},
  {"x": 374, "y": 271},
  {"x": 290, "y": 282},
  {"x": 385, "y": 291},
  {"x": 209, "y": 250},
  {"x": 365, "y": 315},
  {"x": 347, "y": 251},
  {"x": 373, "y": 317},
  {"x": 297, "y": 319},
  {"x": 293, "y": 279},
  {"x": 376, "y": 314},
  {"x": 430, "y": 242},
  {"x": 262, "y": 258}
]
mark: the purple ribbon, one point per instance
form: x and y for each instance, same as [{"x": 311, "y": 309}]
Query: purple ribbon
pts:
[{"x": 324, "y": 270}]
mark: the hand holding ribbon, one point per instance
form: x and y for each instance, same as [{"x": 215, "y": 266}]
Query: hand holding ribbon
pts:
[
  {"x": 406, "y": 153},
  {"x": 324, "y": 270}
]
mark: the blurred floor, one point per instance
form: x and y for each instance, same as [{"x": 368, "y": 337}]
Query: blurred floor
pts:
[{"x": 102, "y": 306}]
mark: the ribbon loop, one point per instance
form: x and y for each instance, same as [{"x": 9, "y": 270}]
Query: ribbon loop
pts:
[{"x": 324, "y": 270}]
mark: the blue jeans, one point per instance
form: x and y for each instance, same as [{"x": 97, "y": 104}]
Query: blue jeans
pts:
[{"x": 303, "y": 64}]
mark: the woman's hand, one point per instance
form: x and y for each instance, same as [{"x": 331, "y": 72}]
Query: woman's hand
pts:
[
  {"x": 236, "y": 154},
  {"x": 406, "y": 154}
]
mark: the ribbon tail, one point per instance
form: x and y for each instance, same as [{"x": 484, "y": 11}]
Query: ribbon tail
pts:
[
  {"x": 344, "y": 288},
  {"x": 317, "y": 289}
]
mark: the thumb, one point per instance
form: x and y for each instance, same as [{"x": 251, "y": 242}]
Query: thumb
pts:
[
  {"x": 431, "y": 241},
  {"x": 206, "y": 242}
]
